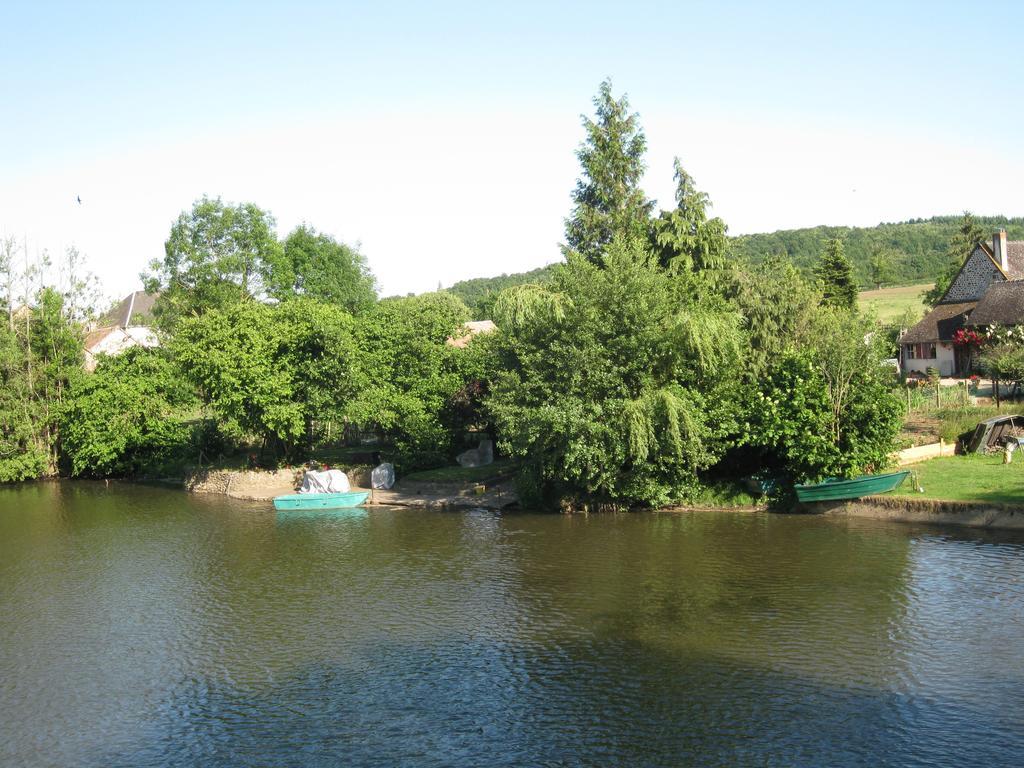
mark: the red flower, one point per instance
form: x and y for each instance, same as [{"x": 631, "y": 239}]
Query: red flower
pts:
[{"x": 967, "y": 338}]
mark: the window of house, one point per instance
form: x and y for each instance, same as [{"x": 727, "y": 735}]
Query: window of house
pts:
[{"x": 924, "y": 351}]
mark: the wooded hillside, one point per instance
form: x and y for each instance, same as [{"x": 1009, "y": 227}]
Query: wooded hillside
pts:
[
  {"x": 917, "y": 247},
  {"x": 915, "y": 250}
]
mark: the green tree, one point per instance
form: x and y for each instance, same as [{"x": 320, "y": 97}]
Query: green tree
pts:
[
  {"x": 318, "y": 266},
  {"x": 684, "y": 238},
  {"x": 412, "y": 375},
  {"x": 835, "y": 276},
  {"x": 608, "y": 199},
  {"x": 132, "y": 415},
  {"x": 216, "y": 255},
  {"x": 270, "y": 371},
  {"x": 39, "y": 356},
  {"x": 827, "y": 409},
  {"x": 961, "y": 245},
  {"x": 778, "y": 306},
  {"x": 882, "y": 266},
  {"x": 613, "y": 384},
  {"x": 23, "y": 452}
]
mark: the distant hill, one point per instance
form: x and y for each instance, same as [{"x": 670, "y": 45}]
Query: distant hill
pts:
[
  {"x": 918, "y": 246},
  {"x": 480, "y": 293},
  {"x": 918, "y": 249}
]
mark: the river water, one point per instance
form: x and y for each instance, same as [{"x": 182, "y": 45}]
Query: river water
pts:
[{"x": 145, "y": 627}]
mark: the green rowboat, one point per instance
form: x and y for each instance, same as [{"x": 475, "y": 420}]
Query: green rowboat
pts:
[
  {"x": 854, "y": 488},
  {"x": 321, "y": 500}
]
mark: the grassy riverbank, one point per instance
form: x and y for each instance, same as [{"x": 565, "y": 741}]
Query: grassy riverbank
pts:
[{"x": 975, "y": 477}]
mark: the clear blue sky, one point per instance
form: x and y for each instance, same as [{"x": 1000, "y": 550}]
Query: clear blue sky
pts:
[{"x": 780, "y": 110}]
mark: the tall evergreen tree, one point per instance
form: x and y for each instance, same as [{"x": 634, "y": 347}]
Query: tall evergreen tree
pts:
[
  {"x": 961, "y": 245},
  {"x": 835, "y": 276},
  {"x": 684, "y": 237},
  {"x": 608, "y": 199}
]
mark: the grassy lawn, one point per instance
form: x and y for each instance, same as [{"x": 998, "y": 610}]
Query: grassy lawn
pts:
[
  {"x": 501, "y": 468},
  {"x": 974, "y": 477},
  {"x": 890, "y": 303}
]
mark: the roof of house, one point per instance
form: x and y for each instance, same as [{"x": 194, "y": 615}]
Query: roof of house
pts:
[
  {"x": 940, "y": 324},
  {"x": 1014, "y": 258},
  {"x": 1002, "y": 304},
  {"x": 97, "y": 335},
  {"x": 134, "y": 309},
  {"x": 471, "y": 329}
]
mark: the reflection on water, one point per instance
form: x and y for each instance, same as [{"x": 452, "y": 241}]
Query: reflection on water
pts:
[{"x": 144, "y": 627}]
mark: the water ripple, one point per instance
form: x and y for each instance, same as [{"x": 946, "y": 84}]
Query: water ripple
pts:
[{"x": 145, "y": 628}]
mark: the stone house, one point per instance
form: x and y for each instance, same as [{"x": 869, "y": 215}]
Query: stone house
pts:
[
  {"x": 991, "y": 279},
  {"x": 127, "y": 325}
]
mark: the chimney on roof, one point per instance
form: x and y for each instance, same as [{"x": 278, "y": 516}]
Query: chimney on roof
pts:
[{"x": 999, "y": 249}]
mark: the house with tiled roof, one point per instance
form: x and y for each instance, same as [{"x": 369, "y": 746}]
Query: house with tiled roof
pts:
[
  {"x": 988, "y": 290},
  {"x": 127, "y": 325}
]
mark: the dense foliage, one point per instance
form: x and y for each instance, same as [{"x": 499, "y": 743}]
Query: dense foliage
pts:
[
  {"x": 685, "y": 238},
  {"x": 612, "y": 382},
  {"x": 778, "y": 307},
  {"x": 217, "y": 254},
  {"x": 835, "y": 277},
  {"x": 272, "y": 370},
  {"x": 918, "y": 249},
  {"x": 480, "y": 293},
  {"x": 412, "y": 375},
  {"x": 135, "y": 414},
  {"x": 913, "y": 251},
  {"x": 40, "y": 353},
  {"x": 826, "y": 408},
  {"x": 318, "y": 266}
]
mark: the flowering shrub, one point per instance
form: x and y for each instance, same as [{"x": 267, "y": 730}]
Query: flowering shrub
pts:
[
  {"x": 965, "y": 337},
  {"x": 1003, "y": 334}
]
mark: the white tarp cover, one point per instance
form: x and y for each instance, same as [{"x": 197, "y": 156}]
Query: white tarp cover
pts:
[
  {"x": 383, "y": 476},
  {"x": 328, "y": 481}
]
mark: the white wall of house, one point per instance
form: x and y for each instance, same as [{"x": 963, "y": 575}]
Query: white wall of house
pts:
[
  {"x": 117, "y": 341},
  {"x": 944, "y": 360}
]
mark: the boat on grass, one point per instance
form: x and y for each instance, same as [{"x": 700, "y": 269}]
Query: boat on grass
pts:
[
  {"x": 837, "y": 489},
  {"x": 309, "y": 501}
]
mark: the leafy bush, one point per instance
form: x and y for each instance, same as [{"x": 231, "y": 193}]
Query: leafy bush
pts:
[
  {"x": 24, "y": 464},
  {"x": 613, "y": 383},
  {"x": 828, "y": 409},
  {"x": 131, "y": 416},
  {"x": 412, "y": 376},
  {"x": 271, "y": 370}
]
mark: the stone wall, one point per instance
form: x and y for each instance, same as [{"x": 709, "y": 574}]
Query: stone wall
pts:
[
  {"x": 974, "y": 279},
  {"x": 244, "y": 484},
  {"x": 260, "y": 485},
  {"x": 922, "y": 452}
]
